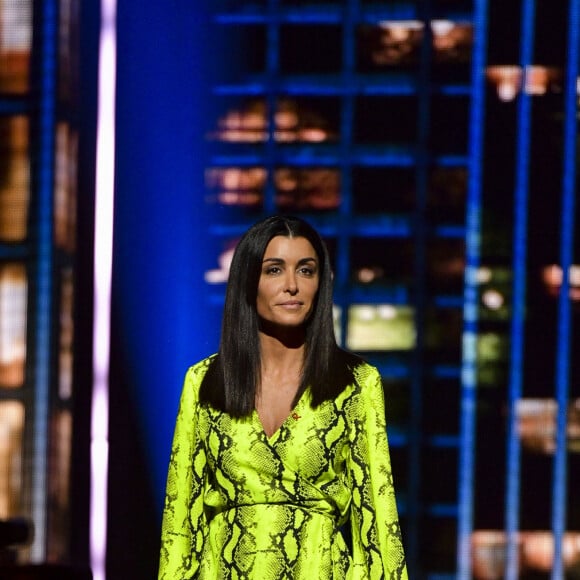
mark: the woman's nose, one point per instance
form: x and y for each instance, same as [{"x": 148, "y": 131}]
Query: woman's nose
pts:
[{"x": 291, "y": 283}]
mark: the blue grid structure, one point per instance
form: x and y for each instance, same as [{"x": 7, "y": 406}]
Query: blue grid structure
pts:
[
  {"x": 343, "y": 225},
  {"x": 347, "y": 85},
  {"x": 514, "y": 483}
]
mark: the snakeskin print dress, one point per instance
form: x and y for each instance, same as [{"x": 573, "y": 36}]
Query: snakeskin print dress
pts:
[{"x": 242, "y": 505}]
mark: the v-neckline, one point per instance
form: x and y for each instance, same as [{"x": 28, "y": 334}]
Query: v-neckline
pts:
[{"x": 292, "y": 415}]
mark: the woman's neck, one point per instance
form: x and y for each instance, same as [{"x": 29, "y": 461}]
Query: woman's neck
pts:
[{"x": 280, "y": 357}]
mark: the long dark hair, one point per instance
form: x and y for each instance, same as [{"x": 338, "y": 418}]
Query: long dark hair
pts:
[{"x": 232, "y": 378}]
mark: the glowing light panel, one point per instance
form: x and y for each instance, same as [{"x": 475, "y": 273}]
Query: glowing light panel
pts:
[{"x": 104, "y": 202}]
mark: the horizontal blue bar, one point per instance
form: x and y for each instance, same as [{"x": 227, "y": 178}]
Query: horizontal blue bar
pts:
[
  {"x": 399, "y": 437},
  {"x": 384, "y": 156},
  {"x": 409, "y": 11},
  {"x": 449, "y": 231},
  {"x": 308, "y": 155},
  {"x": 451, "y": 160},
  {"x": 13, "y": 252},
  {"x": 446, "y": 371},
  {"x": 375, "y": 226},
  {"x": 14, "y": 106},
  {"x": 379, "y": 226},
  {"x": 313, "y": 158},
  {"x": 451, "y": 90},
  {"x": 305, "y": 15},
  {"x": 384, "y": 84},
  {"x": 375, "y": 295},
  {"x": 333, "y": 14},
  {"x": 443, "y": 510},
  {"x": 319, "y": 156},
  {"x": 444, "y": 441},
  {"x": 392, "y": 369},
  {"x": 448, "y": 301}
]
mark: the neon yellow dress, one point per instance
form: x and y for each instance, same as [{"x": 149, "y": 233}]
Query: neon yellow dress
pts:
[{"x": 243, "y": 505}]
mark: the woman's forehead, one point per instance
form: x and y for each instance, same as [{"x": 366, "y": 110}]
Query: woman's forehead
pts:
[{"x": 281, "y": 246}]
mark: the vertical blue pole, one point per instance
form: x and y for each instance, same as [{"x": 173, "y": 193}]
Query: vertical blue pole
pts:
[
  {"x": 519, "y": 266},
  {"x": 346, "y": 137},
  {"x": 422, "y": 167},
  {"x": 559, "y": 485},
  {"x": 271, "y": 96},
  {"x": 43, "y": 254},
  {"x": 471, "y": 298}
]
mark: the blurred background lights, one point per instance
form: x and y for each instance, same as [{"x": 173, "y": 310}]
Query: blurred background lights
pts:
[
  {"x": 552, "y": 278},
  {"x": 536, "y": 80},
  {"x": 484, "y": 275},
  {"x": 251, "y": 124},
  {"x": 493, "y": 299},
  {"x": 387, "y": 312},
  {"x": 385, "y": 327},
  {"x": 220, "y": 274},
  {"x": 369, "y": 274}
]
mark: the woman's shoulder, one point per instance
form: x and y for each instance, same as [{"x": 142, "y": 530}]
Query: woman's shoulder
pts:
[
  {"x": 359, "y": 375},
  {"x": 365, "y": 371},
  {"x": 364, "y": 389},
  {"x": 367, "y": 379},
  {"x": 202, "y": 365},
  {"x": 360, "y": 369},
  {"x": 197, "y": 371}
]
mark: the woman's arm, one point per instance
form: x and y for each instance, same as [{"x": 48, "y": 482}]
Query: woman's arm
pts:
[
  {"x": 184, "y": 524},
  {"x": 376, "y": 534}
]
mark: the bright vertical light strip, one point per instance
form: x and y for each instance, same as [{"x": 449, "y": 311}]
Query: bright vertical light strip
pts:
[
  {"x": 467, "y": 430},
  {"x": 563, "y": 357},
  {"x": 104, "y": 203},
  {"x": 519, "y": 266},
  {"x": 44, "y": 272}
]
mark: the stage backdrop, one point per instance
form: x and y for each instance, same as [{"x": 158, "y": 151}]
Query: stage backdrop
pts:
[{"x": 159, "y": 324}]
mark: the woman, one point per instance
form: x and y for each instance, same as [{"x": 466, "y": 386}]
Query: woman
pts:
[{"x": 280, "y": 438}]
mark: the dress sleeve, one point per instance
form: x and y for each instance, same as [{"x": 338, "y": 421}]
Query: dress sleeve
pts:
[
  {"x": 376, "y": 534},
  {"x": 184, "y": 525}
]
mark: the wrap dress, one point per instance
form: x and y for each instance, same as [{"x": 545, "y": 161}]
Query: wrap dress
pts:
[{"x": 242, "y": 505}]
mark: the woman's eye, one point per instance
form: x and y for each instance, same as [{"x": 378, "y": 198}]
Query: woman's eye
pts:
[
  {"x": 307, "y": 271},
  {"x": 273, "y": 270}
]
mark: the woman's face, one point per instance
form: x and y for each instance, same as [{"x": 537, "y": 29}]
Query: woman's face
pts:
[{"x": 288, "y": 281}]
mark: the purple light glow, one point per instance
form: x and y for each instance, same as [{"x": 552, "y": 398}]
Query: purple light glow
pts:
[{"x": 104, "y": 207}]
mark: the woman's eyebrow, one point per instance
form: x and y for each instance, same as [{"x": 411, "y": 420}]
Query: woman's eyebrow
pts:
[
  {"x": 276, "y": 260},
  {"x": 281, "y": 260}
]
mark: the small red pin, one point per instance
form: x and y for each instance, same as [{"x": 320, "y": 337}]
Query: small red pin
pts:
[{"x": 295, "y": 416}]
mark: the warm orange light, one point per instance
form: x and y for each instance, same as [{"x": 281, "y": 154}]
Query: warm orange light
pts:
[
  {"x": 507, "y": 79},
  {"x": 552, "y": 277},
  {"x": 536, "y": 552},
  {"x": 536, "y": 80},
  {"x": 292, "y": 123}
]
